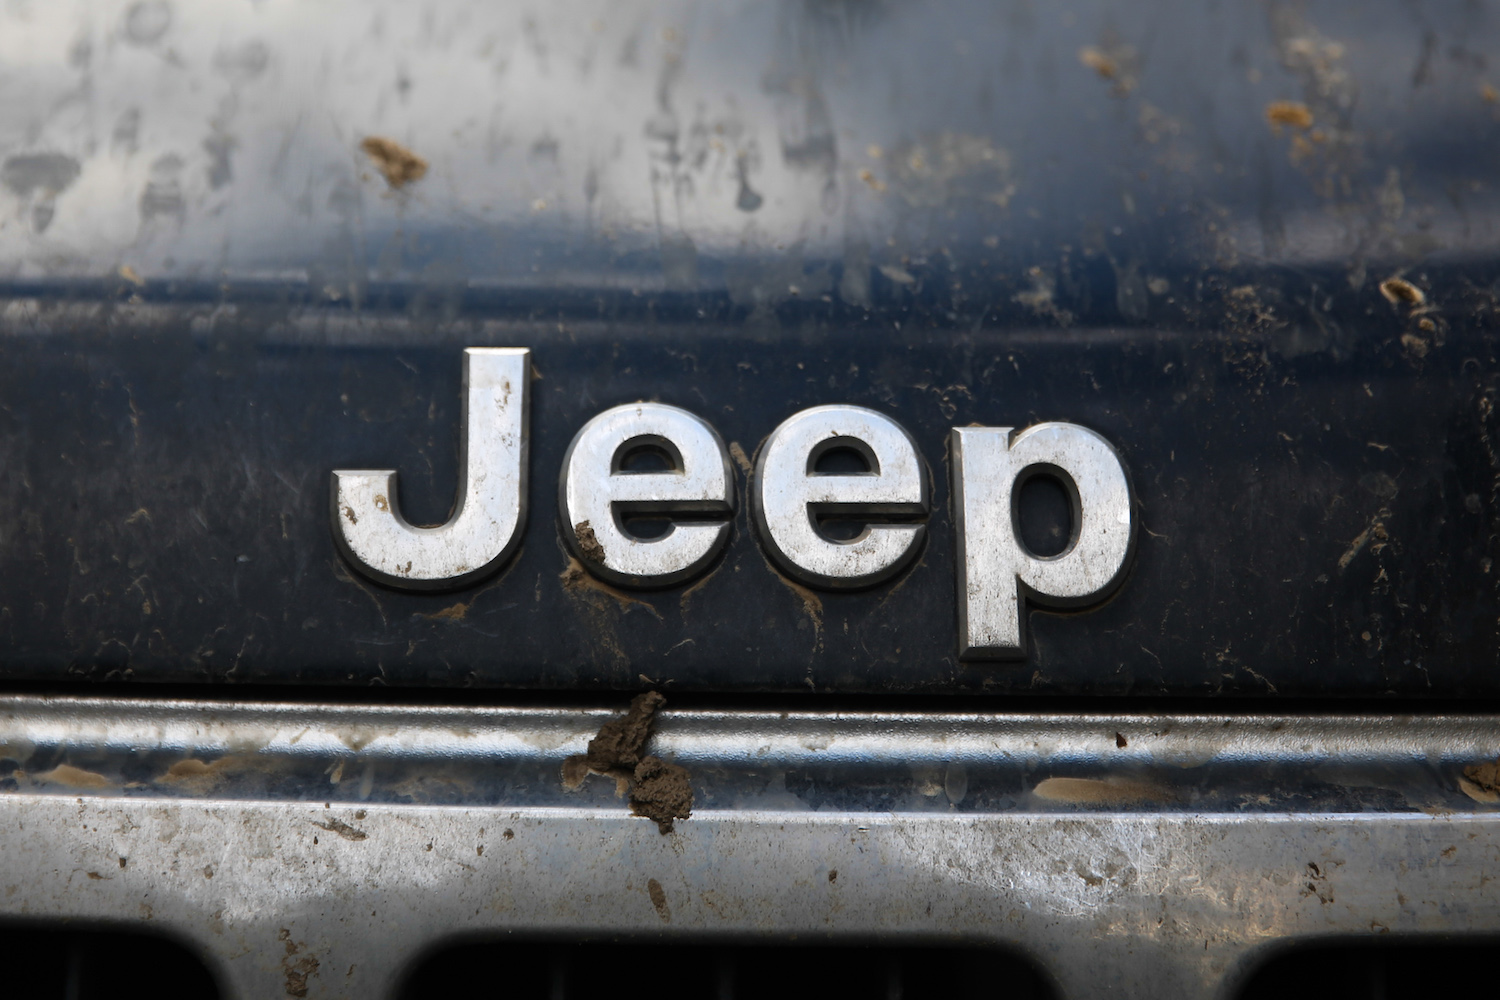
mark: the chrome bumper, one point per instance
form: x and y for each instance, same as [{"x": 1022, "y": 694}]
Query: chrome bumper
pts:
[{"x": 1125, "y": 854}]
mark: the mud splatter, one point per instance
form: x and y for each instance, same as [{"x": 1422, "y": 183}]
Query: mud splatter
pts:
[
  {"x": 1292, "y": 114},
  {"x": 397, "y": 164},
  {"x": 588, "y": 542}
]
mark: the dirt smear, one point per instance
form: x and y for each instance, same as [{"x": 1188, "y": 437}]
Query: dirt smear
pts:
[
  {"x": 577, "y": 580},
  {"x": 659, "y": 791},
  {"x": 1481, "y": 782},
  {"x": 397, "y": 164},
  {"x": 199, "y": 778},
  {"x": 343, "y": 829},
  {"x": 1099, "y": 791},
  {"x": 297, "y": 969},
  {"x": 812, "y": 604},
  {"x": 659, "y": 900},
  {"x": 452, "y": 613},
  {"x": 74, "y": 777},
  {"x": 740, "y": 458}
]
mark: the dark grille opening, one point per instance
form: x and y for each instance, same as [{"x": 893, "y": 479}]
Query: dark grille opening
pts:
[
  {"x": 56, "y": 964},
  {"x": 1390, "y": 970},
  {"x": 623, "y": 970}
]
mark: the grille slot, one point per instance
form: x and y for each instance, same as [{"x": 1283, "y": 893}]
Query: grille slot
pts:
[
  {"x": 621, "y": 970},
  {"x": 66, "y": 964},
  {"x": 1387, "y": 971}
]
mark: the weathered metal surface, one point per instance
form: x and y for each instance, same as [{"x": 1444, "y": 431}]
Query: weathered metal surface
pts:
[
  {"x": 340, "y": 843},
  {"x": 998, "y": 575},
  {"x": 1251, "y": 246}
]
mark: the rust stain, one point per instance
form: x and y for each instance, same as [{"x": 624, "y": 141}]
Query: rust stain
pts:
[{"x": 397, "y": 164}]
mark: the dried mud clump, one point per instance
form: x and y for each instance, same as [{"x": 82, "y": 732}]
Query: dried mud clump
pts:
[
  {"x": 662, "y": 793},
  {"x": 1400, "y": 292},
  {"x": 617, "y": 749},
  {"x": 397, "y": 164},
  {"x": 588, "y": 542},
  {"x": 1293, "y": 114},
  {"x": 659, "y": 791}
]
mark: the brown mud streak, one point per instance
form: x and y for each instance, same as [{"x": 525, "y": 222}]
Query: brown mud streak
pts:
[
  {"x": 343, "y": 829},
  {"x": 296, "y": 971},
  {"x": 659, "y": 900},
  {"x": 74, "y": 777},
  {"x": 576, "y": 580},
  {"x": 1100, "y": 791},
  {"x": 740, "y": 458},
  {"x": 812, "y": 604},
  {"x": 686, "y": 599}
]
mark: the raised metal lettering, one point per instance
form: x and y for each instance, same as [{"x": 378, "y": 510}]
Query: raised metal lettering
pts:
[
  {"x": 789, "y": 495},
  {"x": 486, "y": 523},
  {"x": 595, "y": 492},
  {"x": 996, "y": 573}
]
